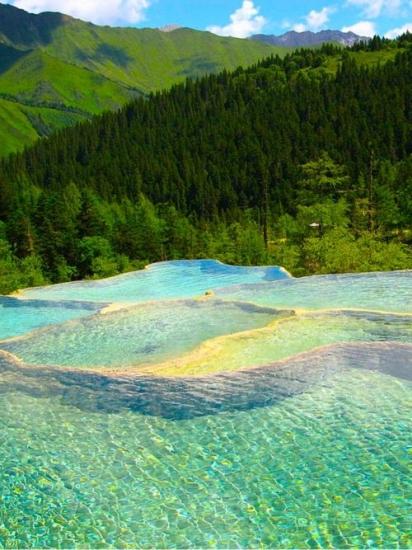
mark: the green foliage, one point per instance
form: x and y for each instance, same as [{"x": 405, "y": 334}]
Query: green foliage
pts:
[
  {"x": 321, "y": 178},
  {"x": 9, "y": 275},
  {"x": 180, "y": 236},
  {"x": 338, "y": 251},
  {"x": 15, "y": 273},
  {"x": 288, "y": 255},
  {"x": 31, "y": 273},
  {"x": 265, "y": 165},
  {"x": 325, "y": 216},
  {"x": 96, "y": 257},
  {"x": 238, "y": 243}
]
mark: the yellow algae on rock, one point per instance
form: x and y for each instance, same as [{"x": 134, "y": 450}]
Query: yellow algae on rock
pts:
[{"x": 284, "y": 338}]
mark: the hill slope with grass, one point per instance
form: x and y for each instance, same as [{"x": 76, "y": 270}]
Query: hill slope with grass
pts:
[
  {"x": 54, "y": 62},
  {"x": 21, "y": 125}
]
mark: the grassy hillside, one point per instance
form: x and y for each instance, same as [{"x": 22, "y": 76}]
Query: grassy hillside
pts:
[
  {"x": 148, "y": 58},
  {"x": 20, "y": 125},
  {"x": 78, "y": 69},
  {"x": 39, "y": 79}
]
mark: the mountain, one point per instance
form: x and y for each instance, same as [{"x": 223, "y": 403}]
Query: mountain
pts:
[
  {"x": 305, "y": 39},
  {"x": 56, "y": 70},
  {"x": 170, "y": 28},
  {"x": 304, "y": 162}
]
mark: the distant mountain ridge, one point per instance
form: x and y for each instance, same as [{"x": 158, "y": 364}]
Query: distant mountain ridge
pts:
[
  {"x": 23, "y": 30},
  {"x": 170, "y": 28},
  {"x": 293, "y": 39},
  {"x": 56, "y": 70}
]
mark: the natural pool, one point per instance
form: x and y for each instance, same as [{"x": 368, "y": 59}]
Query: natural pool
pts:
[
  {"x": 370, "y": 291},
  {"x": 19, "y": 317},
  {"x": 286, "y": 338},
  {"x": 165, "y": 280},
  {"x": 137, "y": 335},
  {"x": 250, "y": 427},
  {"x": 328, "y": 467}
]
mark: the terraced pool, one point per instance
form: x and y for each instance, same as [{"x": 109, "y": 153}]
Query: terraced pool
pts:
[{"x": 276, "y": 413}]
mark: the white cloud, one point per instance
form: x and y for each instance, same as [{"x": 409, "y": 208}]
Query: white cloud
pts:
[
  {"x": 393, "y": 33},
  {"x": 299, "y": 27},
  {"x": 374, "y": 8},
  {"x": 107, "y": 12},
  {"x": 362, "y": 28},
  {"x": 245, "y": 21},
  {"x": 315, "y": 20}
]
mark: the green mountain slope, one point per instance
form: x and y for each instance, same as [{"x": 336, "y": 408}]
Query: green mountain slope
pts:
[
  {"x": 148, "y": 58},
  {"x": 56, "y": 62},
  {"x": 39, "y": 79},
  {"x": 21, "y": 125}
]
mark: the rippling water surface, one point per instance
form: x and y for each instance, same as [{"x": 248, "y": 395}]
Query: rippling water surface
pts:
[
  {"x": 329, "y": 467},
  {"x": 250, "y": 426},
  {"x": 180, "y": 279},
  {"x": 137, "y": 335},
  {"x": 373, "y": 291},
  {"x": 19, "y": 317}
]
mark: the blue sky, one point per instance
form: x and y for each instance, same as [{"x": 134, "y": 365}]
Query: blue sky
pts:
[{"x": 240, "y": 17}]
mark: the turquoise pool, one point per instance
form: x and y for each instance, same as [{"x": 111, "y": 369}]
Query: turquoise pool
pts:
[
  {"x": 276, "y": 413},
  {"x": 147, "y": 333},
  {"x": 325, "y": 464},
  {"x": 370, "y": 291},
  {"x": 167, "y": 280},
  {"x": 19, "y": 317}
]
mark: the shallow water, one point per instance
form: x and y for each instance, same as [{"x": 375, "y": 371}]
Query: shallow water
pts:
[
  {"x": 294, "y": 434},
  {"x": 185, "y": 397},
  {"x": 286, "y": 338},
  {"x": 329, "y": 467},
  {"x": 22, "y": 316},
  {"x": 179, "y": 279},
  {"x": 371, "y": 291},
  {"x": 142, "y": 334}
]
